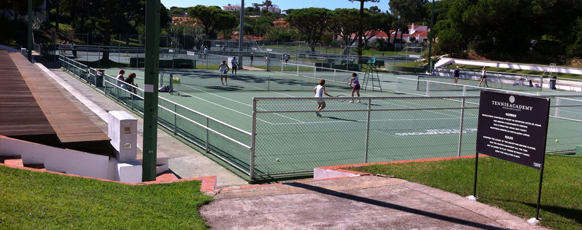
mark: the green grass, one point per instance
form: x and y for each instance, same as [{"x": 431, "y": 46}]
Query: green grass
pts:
[
  {"x": 203, "y": 66},
  {"x": 408, "y": 64},
  {"x": 132, "y": 42},
  {"x": 65, "y": 28},
  {"x": 32, "y": 200},
  {"x": 326, "y": 50},
  {"x": 507, "y": 185}
]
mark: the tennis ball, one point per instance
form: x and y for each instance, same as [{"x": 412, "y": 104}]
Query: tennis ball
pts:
[
  {"x": 279, "y": 160},
  {"x": 556, "y": 140}
]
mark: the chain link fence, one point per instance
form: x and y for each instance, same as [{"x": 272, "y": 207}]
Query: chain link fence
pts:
[
  {"x": 290, "y": 138},
  {"x": 224, "y": 141}
]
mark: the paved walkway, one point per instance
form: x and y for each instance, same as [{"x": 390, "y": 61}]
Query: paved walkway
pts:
[
  {"x": 366, "y": 202},
  {"x": 184, "y": 161}
]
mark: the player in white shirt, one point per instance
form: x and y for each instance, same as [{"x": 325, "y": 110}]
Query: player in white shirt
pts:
[{"x": 319, "y": 91}]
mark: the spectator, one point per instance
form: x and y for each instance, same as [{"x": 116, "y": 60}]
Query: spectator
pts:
[
  {"x": 74, "y": 49},
  {"x": 234, "y": 65},
  {"x": 120, "y": 78}
]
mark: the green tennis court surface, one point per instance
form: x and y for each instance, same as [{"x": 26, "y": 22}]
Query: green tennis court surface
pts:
[{"x": 292, "y": 139}]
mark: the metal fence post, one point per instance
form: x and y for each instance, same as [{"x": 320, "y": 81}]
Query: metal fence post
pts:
[
  {"x": 206, "y": 147},
  {"x": 175, "y": 118},
  {"x": 557, "y": 108},
  {"x": 253, "y": 138},
  {"x": 368, "y": 129},
  {"x": 461, "y": 127}
]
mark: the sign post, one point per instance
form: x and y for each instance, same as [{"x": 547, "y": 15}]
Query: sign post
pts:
[{"x": 513, "y": 128}]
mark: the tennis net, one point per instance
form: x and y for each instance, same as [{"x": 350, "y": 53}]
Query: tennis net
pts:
[
  {"x": 497, "y": 82},
  {"x": 424, "y": 87},
  {"x": 204, "y": 82}
]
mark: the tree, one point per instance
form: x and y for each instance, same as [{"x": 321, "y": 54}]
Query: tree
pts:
[
  {"x": 344, "y": 23},
  {"x": 212, "y": 18},
  {"x": 107, "y": 16},
  {"x": 257, "y": 7},
  {"x": 374, "y": 10},
  {"x": 575, "y": 49},
  {"x": 311, "y": 23},
  {"x": 385, "y": 22},
  {"x": 361, "y": 26},
  {"x": 505, "y": 26},
  {"x": 408, "y": 10},
  {"x": 268, "y": 4},
  {"x": 227, "y": 21},
  {"x": 372, "y": 26}
]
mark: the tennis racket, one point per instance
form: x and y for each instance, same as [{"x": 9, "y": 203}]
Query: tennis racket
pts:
[
  {"x": 342, "y": 97},
  {"x": 346, "y": 80}
]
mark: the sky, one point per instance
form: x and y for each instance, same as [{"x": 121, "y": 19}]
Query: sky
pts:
[{"x": 283, "y": 4}]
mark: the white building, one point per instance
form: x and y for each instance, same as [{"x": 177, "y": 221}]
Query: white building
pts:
[
  {"x": 420, "y": 33},
  {"x": 272, "y": 9},
  {"x": 230, "y": 7}
]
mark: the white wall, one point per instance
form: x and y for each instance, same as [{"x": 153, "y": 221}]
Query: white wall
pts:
[{"x": 57, "y": 159}]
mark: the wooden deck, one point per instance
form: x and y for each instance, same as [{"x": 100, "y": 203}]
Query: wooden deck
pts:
[{"x": 33, "y": 109}]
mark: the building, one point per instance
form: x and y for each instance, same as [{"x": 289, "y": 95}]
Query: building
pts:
[
  {"x": 272, "y": 9},
  {"x": 230, "y": 7},
  {"x": 415, "y": 34}
]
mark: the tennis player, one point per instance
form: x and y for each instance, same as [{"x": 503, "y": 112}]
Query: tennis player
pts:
[
  {"x": 355, "y": 87},
  {"x": 223, "y": 68},
  {"x": 319, "y": 91},
  {"x": 456, "y": 74},
  {"x": 483, "y": 76}
]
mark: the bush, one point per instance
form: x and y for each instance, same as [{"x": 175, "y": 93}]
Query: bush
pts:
[
  {"x": 14, "y": 31},
  {"x": 380, "y": 45}
]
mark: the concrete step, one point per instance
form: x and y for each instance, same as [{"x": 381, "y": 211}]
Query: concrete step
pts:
[
  {"x": 36, "y": 166},
  {"x": 167, "y": 176},
  {"x": 14, "y": 162}
]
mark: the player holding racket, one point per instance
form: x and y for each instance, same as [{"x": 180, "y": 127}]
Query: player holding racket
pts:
[
  {"x": 355, "y": 87},
  {"x": 223, "y": 67},
  {"x": 319, "y": 91}
]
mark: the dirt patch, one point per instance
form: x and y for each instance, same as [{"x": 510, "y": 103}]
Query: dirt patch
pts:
[
  {"x": 576, "y": 62},
  {"x": 475, "y": 56}
]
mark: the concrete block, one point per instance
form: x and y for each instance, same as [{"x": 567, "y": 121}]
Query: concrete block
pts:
[
  {"x": 162, "y": 162},
  {"x": 123, "y": 133},
  {"x": 129, "y": 172},
  {"x": 320, "y": 173}
]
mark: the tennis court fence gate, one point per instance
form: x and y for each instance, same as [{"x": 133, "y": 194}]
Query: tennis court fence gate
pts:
[{"x": 287, "y": 138}]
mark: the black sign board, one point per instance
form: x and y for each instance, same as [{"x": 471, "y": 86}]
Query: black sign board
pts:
[{"x": 513, "y": 127}]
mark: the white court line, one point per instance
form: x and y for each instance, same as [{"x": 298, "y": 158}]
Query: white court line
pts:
[
  {"x": 242, "y": 103},
  {"x": 380, "y": 120}
]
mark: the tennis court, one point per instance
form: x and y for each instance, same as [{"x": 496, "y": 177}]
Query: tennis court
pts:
[{"x": 283, "y": 136}]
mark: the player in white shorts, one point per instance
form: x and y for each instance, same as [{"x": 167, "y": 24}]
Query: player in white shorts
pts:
[
  {"x": 319, "y": 91},
  {"x": 223, "y": 67}
]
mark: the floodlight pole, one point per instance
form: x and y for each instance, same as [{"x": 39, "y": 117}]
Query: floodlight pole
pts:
[
  {"x": 240, "y": 34},
  {"x": 30, "y": 30},
  {"x": 430, "y": 39},
  {"x": 150, "y": 117}
]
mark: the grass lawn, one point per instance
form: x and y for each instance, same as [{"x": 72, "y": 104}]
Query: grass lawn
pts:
[
  {"x": 507, "y": 185},
  {"x": 32, "y": 200},
  {"x": 326, "y": 50}
]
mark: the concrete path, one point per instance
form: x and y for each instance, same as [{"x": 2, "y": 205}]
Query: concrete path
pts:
[
  {"x": 366, "y": 202},
  {"x": 184, "y": 161}
]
